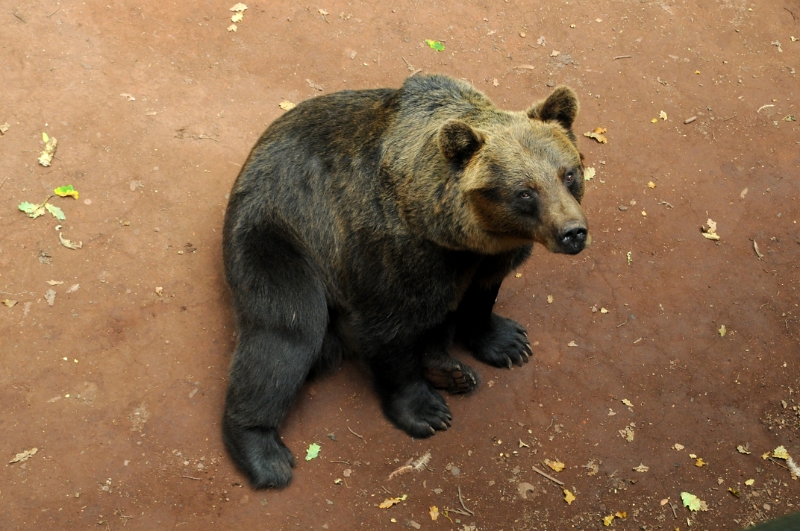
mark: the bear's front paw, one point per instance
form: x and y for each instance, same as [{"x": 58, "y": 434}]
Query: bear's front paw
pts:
[
  {"x": 259, "y": 453},
  {"x": 418, "y": 410},
  {"x": 503, "y": 344}
]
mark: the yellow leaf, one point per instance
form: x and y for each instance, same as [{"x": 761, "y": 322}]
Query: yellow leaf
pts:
[
  {"x": 237, "y": 17},
  {"x": 238, "y": 7},
  {"x": 654, "y": 121},
  {"x": 651, "y": 184},
  {"x": 558, "y": 466},
  {"x": 549, "y": 299},
  {"x": 644, "y": 213},
  {"x": 597, "y": 134},
  {"x": 569, "y": 497},
  {"x": 627, "y": 402},
  {"x": 780, "y": 452},
  {"x": 697, "y": 72},
  {"x": 662, "y": 115},
  {"x": 621, "y": 514},
  {"x": 749, "y": 482},
  {"x": 699, "y": 462},
  {"x": 588, "y": 175},
  {"x": 608, "y": 519},
  {"x": 232, "y": 27},
  {"x": 434, "y": 512},
  {"x": 287, "y": 105},
  {"x": 722, "y": 331},
  {"x": 678, "y": 446},
  {"x": 765, "y": 455},
  {"x": 389, "y": 502}
]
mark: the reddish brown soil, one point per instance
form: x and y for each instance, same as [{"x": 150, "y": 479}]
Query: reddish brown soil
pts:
[{"x": 120, "y": 387}]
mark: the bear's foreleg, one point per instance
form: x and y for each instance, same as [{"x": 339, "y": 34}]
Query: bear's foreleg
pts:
[{"x": 490, "y": 338}]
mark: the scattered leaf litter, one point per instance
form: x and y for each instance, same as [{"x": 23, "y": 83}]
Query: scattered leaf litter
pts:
[
  {"x": 389, "y": 502},
  {"x": 663, "y": 115},
  {"x": 435, "y": 45},
  {"x": 287, "y": 105},
  {"x": 693, "y": 502},
  {"x": 312, "y": 452},
  {"x": 49, "y": 152},
  {"x": 709, "y": 230},
  {"x": 598, "y": 134},
  {"x": 9, "y": 302},
  {"x": 744, "y": 449},
  {"x": 569, "y": 497},
  {"x": 722, "y": 331},
  {"x": 434, "y": 512},
  {"x": 589, "y": 174},
  {"x": 678, "y": 446},
  {"x": 4, "y": 128},
  {"x": 416, "y": 465},
  {"x": 641, "y": 468},
  {"x": 627, "y": 402},
  {"x": 69, "y": 244},
  {"x": 50, "y": 297},
  {"x": 23, "y": 456},
  {"x": 556, "y": 465},
  {"x": 66, "y": 191},
  {"x": 627, "y": 433}
]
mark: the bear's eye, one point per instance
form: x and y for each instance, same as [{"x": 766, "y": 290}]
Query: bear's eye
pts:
[
  {"x": 569, "y": 178},
  {"x": 525, "y": 194}
]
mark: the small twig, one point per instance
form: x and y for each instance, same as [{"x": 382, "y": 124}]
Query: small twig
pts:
[
  {"x": 759, "y": 308},
  {"x": 622, "y": 57},
  {"x": 342, "y": 462},
  {"x": 19, "y": 17},
  {"x": 457, "y": 511},
  {"x": 777, "y": 463},
  {"x": 764, "y": 107},
  {"x": 665, "y": 203},
  {"x": 622, "y": 324},
  {"x": 673, "y": 509},
  {"x": 387, "y": 490},
  {"x": 190, "y": 477},
  {"x": 354, "y": 433},
  {"x": 793, "y": 15},
  {"x": 462, "y": 502},
  {"x": 48, "y": 16},
  {"x": 2, "y": 183},
  {"x": 551, "y": 478},
  {"x": 729, "y": 117},
  {"x": 551, "y": 424}
]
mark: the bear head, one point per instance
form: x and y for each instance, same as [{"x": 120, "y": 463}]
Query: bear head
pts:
[{"x": 521, "y": 176}]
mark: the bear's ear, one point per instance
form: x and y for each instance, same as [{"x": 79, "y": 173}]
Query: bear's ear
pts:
[
  {"x": 457, "y": 140},
  {"x": 561, "y": 106}
]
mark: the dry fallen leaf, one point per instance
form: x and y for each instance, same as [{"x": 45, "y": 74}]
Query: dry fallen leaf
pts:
[
  {"x": 50, "y": 297},
  {"x": 549, "y": 299},
  {"x": 569, "y": 497},
  {"x": 608, "y": 519},
  {"x": 287, "y": 105},
  {"x": 780, "y": 452},
  {"x": 389, "y": 502},
  {"x": 627, "y": 402},
  {"x": 627, "y": 433},
  {"x": 8, "y": 302},
  {"x": 4, "y": 128},
  {"x": 572, "y": 344},
  {"x": 758, "y": 252},
  {"x": 678, "y": 446},
  {"x": 641, "y": 468},
  {"x": 555, "y": 53},
  {"x": 73, "y": 288},
  {"x": 662, "y": 115},
  {"x": 744, "y": 449},
  {"x": 237, "y": 17},
  {"x": 598, "y": 134},
  {"x": 434, "y": 512},
  {"x": 232, "y": 27},
  {"x": 603, "y": 310},
  {"x": 699, "y": 462},
  {"x": 69, "y": 244},
  {"x": 24, "y": 456},
  {"x": 49, "y": 150},
  {"x": 749, "y": 482},
  {"x": 709, "y": 230},
  {"x": 495, "y": 82},
  {"x": 722, "y": 331},
  {"x": 239, "y": 7},
  {"x": 651, "y": 184},
  {"x": 558, "y": 466},
  {"x": 323, "y": 12},
  {"x": 592, "y": 467},
  {"x": 589, "y": 173}
]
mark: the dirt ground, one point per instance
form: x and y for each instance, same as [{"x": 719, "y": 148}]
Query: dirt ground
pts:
[{"x": 656, "y": 346}]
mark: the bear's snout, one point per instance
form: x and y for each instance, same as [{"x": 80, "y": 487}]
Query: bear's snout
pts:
[{"x": 573, "y": 238}]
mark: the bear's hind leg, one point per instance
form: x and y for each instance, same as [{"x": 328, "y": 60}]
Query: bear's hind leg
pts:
[
  {"x": 407, "y": 399},
  {"x": 282, "y": 319},
  {"x": 441, "y": 369}
]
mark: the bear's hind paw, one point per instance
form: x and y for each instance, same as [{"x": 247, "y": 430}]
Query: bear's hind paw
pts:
[{"x": 418, "y": 410}]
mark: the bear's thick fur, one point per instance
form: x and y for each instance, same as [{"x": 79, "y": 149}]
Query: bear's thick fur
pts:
[{"x": 382, "y": 222}]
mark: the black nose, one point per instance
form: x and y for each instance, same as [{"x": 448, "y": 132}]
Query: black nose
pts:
[{"x": 573, "y": 240}]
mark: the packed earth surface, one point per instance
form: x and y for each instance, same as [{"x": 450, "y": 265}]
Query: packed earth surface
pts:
[{"x": 663, "y": 392}]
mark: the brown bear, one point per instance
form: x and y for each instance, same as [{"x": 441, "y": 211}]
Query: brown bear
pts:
[{"x": 382, "y": 223}]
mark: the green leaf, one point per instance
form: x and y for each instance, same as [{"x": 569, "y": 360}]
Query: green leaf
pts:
[
  {"x": 65, "y": 191},
  {"x": 691, "y": 501},
  {"x": 312, "y": 452},
  {"x": 436, "y": 45},
  {"x": 57, "y": 212},
  {"x": 26, "y": 207}
]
